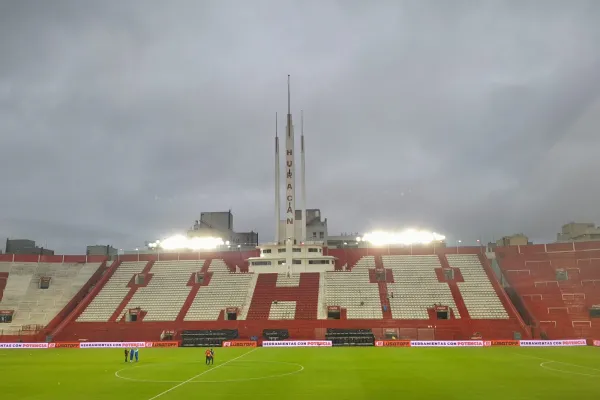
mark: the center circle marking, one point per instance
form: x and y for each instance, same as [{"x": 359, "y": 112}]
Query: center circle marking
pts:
[{"x": 544, "y": 365}]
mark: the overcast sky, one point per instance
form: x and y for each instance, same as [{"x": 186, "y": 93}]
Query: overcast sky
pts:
[{"x": 120, "y": 121}]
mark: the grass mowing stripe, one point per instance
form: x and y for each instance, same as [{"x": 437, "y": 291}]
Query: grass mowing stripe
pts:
[{"x": 200, "y": 374}]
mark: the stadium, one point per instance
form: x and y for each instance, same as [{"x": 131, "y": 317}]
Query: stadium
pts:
[{"x": 294, "y": 318}]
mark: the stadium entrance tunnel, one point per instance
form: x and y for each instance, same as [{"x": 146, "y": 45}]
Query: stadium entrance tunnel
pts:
[{"x": 234, "y": 371}]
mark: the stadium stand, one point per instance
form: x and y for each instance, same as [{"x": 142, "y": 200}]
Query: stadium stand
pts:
[
  {"x": 38, "y": 293},
  {"x": 554, "y": 287},
  {"x": 298, "y": 303},
  {"x": 34, "y": 305},
  {"x": 557, "y": 285}
]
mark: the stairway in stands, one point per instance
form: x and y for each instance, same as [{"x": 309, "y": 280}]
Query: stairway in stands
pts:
[
  {"x": 195, "y": 288},
  {"x": 458, "y": 298},
  {"x": 133, "y": 287},
  {"x": 306, "y": 296},
  {"x": 382, "y": 285},
  {"x": 3, "y": 280}
]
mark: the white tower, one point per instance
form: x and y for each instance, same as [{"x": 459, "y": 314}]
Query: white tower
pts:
[
  {"x": 310, "y": 257},
  {"x": 290, "y": 184}
]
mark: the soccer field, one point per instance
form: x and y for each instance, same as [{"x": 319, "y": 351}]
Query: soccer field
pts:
[{"x": 303, "y": 373}]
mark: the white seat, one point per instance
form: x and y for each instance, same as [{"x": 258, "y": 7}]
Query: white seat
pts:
[
  {"x": 225, "y": 290},
  {"x": 353, "y": 291},
  {"x": 416, "y": 287},
  {"x": 103, "y": 306},
  {"x": 477, "y": 291},
  {"x": 167, "y": 290},
  {"x": 33, "y": 305}
]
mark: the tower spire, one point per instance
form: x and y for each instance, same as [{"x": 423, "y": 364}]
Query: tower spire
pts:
[
  {"x": 302, "y": 179},
  {"x": 290, "y": 183},
  {"x": 277, "y": 183}
]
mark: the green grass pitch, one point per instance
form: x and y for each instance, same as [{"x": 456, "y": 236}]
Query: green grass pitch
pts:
[{"x": 303, "y": 373}]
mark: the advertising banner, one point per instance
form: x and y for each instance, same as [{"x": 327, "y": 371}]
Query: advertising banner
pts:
[
  {"x": 23, "y": 346},
  {"x": 110, "y": 345},
  {"x": 297, "y": 343},
  {"x": 63, "y": 345},
  {"x": 552, "y": 343},
  {"x": 392, "y": 343},
  {"x": 501, "y": 343},
  {"x": 306, "y": 343},
  {"x": 163, "y": 344},
  {"x": 239, "y": 343},
  {"x": 446, "y": 343}
]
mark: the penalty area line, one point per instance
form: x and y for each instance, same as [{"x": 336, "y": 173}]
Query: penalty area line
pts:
[{"x": 200, "y": 374}]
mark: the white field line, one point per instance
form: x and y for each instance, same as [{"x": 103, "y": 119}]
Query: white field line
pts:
[
  {"x": 549, "y": 361},
  {"x": 200, "y": 374}
]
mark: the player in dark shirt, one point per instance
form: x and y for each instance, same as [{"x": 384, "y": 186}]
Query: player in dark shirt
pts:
[{"x": 126, "y": 354}]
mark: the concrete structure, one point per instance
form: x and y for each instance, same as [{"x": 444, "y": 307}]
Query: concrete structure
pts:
[
  {"x": 305, "y": 257},
  {"x": 518, "y": 239},
  {"x": 315, "y": 228},
  {"x": 101, "y": 250},
  {"x": 344, "y": 240},
  {"x": 26, "y": 246},
  {"x": 220, "y": 224},
  {"x": 301, "y": 236},
  {"x": 578, "y": 232},
  {"x": 220, "y": 221}
]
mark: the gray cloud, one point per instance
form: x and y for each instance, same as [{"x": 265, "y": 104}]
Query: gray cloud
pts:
[{"x": 121, "y": 121}]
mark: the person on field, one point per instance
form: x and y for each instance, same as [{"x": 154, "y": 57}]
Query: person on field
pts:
[
  {"x": 126, "y": 354},
  {"x": 212, "y": 356},
  {"x": 137, "y": 354},
  {"x": 208, "y": 356},
  {"x": 131, "y": 354}
]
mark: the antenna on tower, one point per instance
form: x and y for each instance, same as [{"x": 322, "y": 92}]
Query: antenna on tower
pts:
[
  {"x": 277, "y": 179},
  {"x": 303, "y": 177},
  {"x": 289, "y": 96}
]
